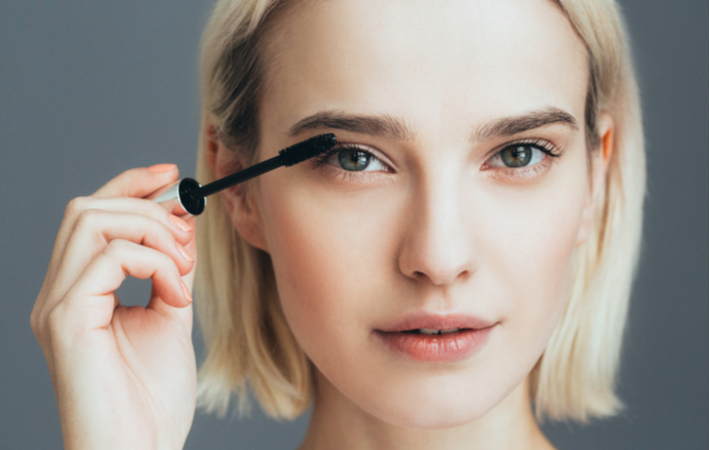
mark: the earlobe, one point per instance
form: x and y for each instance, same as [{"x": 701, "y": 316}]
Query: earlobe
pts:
[
  {"x": 601, "y": 158},
  {"x": 238, "y": 201}
]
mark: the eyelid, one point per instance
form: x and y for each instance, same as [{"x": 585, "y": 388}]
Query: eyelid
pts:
[
  {"x": 514, "y": 174},
  {"x": 544, "y": 144},
  {"x": 340, "y": 146}
]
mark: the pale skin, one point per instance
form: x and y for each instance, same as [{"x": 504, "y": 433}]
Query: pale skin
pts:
[{"x": 436, "y": 222}]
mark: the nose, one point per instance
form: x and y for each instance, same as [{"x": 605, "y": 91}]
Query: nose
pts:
[{"x": 437, "y": 246}]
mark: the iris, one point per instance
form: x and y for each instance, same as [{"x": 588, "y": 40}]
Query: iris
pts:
[
  {"x": 517, "y": 156},
  {"x": 354, "y": 160}
]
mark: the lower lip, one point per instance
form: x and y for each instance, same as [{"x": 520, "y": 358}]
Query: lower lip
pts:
[{"x": 437, "y": 347}]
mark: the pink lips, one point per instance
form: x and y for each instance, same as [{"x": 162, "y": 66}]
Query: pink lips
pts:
[{"x": 456, "y": 346}]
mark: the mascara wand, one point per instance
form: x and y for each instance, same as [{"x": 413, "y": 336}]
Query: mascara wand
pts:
[{"x": 187, "y": 196}]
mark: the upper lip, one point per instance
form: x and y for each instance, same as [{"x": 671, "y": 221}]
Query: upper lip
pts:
[{"x": 436, "y": 322}]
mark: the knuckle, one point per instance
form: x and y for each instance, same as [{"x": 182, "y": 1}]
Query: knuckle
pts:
[
  {"x": 116, "y": 246},
  {"x": 162, "y": 214},
  {"x": 75, "y": 206},
  {"x": 166, "y": 262},
  {"x": 87, "y": 217},
  {"x": 33, "y": 322},
  {"x": 155, "y": 211},
  {"x": 129, "y": 176},
  {"x": 156, "y": 233}
]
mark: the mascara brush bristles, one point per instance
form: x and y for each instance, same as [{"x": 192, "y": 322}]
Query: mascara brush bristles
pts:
[{"x": 307, "y": 149}]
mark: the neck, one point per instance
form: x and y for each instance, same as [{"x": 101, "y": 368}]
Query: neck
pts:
[{"x": 336, "y": 422}]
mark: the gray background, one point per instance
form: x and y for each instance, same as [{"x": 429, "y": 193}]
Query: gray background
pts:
[{"x": 89, "y": 89}]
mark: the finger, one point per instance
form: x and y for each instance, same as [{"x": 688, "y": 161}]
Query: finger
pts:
[
  {"x": 191, "y": 247},
  {"x": 184, "y": 315},
  {"x": 139, "y": 182},
  {"x": 181, "y": 230},
  {"x": 89, "y": 303},
  {"x": 96, "y": 228}
]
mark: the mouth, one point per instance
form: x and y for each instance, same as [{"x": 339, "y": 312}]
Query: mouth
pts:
[
  {"x": 428, "y": 323},
  {"x": 436, "y": 338},
  {"x": 432, "y": 332}
]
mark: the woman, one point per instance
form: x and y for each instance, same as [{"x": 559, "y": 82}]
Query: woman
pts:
[{"x": 455, "y": 270}]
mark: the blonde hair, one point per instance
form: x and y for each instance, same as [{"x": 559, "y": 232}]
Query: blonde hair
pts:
[{"x": 247, "y": 338}]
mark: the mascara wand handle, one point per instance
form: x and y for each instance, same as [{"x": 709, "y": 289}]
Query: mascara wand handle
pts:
[
  {"x": 179, "y": 199},
  {"x": 240, "y": 177},
  {"x": 188, "y": 197}
]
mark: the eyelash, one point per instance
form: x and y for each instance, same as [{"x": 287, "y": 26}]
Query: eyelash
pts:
[
  {"x": 321, "y": 161},
  {"x": 542, "y": 145}
]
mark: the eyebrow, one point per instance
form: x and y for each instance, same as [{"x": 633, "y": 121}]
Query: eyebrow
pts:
[
  {"x": 529, "y": 121},
  {"x": 393, "y": 128},
  {"x": 381, "y": 126}
]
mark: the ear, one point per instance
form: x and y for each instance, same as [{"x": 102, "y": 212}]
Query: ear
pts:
[
  {"x": 600, "y": 165},
  {"x": 239, "y": 201}
]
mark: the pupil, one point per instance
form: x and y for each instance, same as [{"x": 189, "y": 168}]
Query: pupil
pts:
[
  {"x": 353, "y": 160},
  {"x": 517, "y": 156}
]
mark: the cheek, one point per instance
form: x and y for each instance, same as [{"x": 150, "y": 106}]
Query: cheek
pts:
[
  {"x": 528, "y": 252},
  {"x": 330, "y": 256}
]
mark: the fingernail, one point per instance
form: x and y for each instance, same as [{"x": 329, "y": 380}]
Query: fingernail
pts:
[
  {"x": 162, "y": 168},
  {"x": 179, "y": 223},
  {"x": 183, "y": 252},
  {"x": 186, "y": 291}
]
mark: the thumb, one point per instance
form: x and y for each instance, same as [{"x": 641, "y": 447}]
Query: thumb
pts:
[{"x": 139, "y": 182}]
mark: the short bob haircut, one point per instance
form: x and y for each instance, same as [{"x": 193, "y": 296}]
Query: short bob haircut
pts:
[{"x": 247, "y": 338}]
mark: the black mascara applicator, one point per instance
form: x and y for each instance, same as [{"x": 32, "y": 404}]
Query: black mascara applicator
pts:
[{"x": 187, "y": 196}]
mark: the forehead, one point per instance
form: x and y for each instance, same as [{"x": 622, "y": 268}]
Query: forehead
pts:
[{"x": 436, "y": 64}]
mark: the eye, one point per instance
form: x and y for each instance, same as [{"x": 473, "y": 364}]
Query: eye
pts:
[
  {"x": 521, "y": 154},
  {"x": 351, "y": 158}
]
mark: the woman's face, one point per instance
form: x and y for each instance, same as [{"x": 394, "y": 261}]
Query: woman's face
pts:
[{"x": 444, "y": 207}]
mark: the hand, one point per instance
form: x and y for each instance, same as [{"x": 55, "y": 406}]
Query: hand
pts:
[{"x": 124, "y": 377}]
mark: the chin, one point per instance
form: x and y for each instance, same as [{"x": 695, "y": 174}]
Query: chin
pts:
[
  {"x": 430, "y": 406},
  {"x": 429, "y": 417}
]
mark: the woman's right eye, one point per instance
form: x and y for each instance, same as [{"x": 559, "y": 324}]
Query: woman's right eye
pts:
[{"x": 353, "y": 159}]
